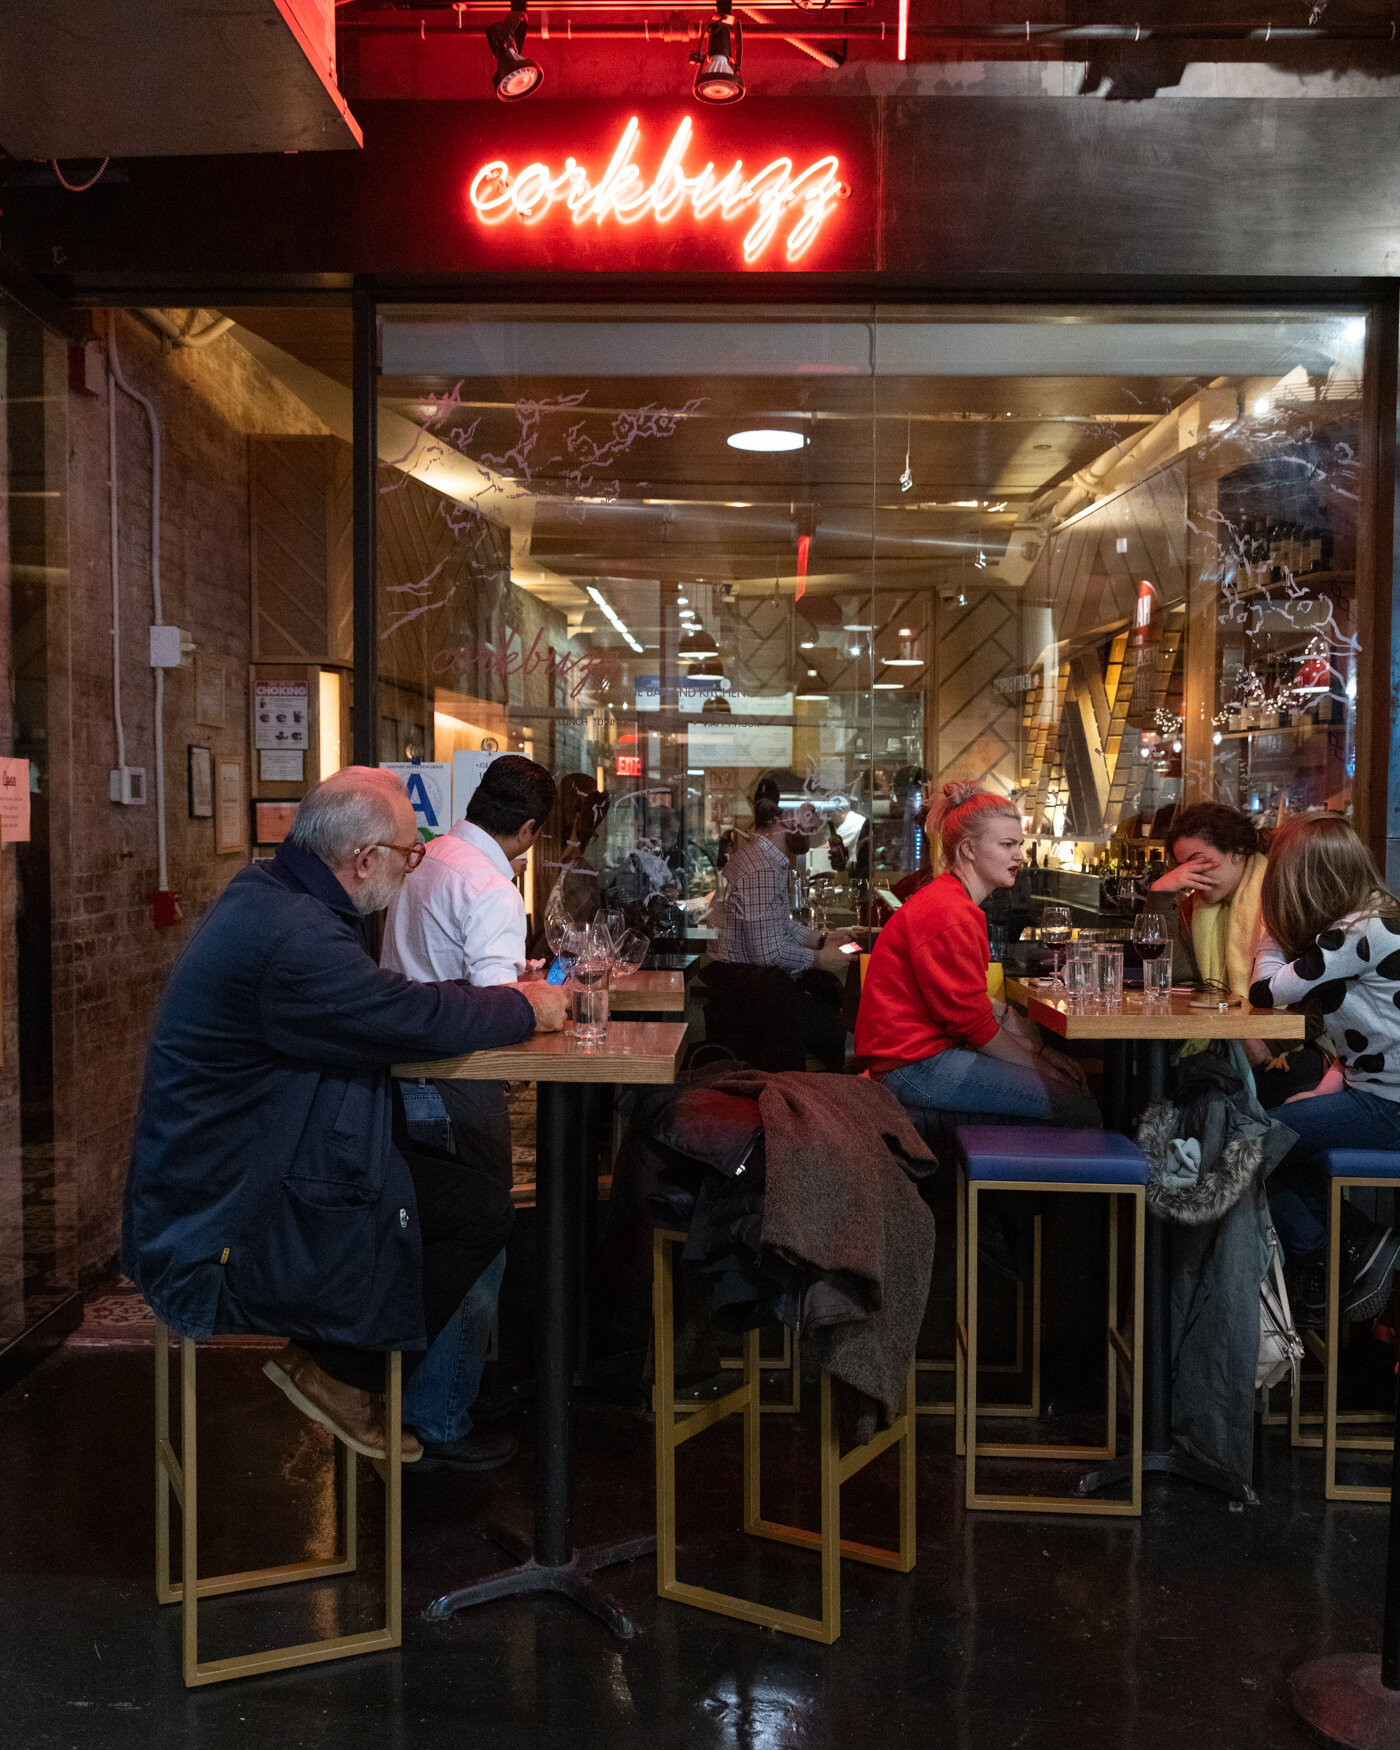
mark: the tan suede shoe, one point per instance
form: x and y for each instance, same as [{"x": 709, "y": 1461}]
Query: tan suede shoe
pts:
[{"x": 356, "y": 1417}]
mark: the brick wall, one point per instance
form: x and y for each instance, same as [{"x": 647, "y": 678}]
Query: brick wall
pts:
[{"x": 110, "y": 962}]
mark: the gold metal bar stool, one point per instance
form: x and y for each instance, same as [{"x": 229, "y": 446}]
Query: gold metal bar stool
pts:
[
  {"x": 677, "y": 1423},
  {"x": 178, "y": 1476},
  {"x": 1026, "y": 1361},
  {"x": 1350, "y": 1169},
  {"x": 1101, "y": 1162}
]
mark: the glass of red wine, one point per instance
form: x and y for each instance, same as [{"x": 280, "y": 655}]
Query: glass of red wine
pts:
[
  {"x": 1057, "y": 931},
  {"x": 1150, "y": 940}
]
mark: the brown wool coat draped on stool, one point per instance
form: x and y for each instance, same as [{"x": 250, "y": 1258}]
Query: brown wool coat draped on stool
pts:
[{"x": 840, "y": 1197}]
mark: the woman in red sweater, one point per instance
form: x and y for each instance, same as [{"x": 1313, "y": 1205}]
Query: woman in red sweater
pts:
[{"x": 926, "y": 1021}]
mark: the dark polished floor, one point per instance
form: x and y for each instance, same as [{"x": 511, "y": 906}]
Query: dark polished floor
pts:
[{"x": 1013, "y": 1633}]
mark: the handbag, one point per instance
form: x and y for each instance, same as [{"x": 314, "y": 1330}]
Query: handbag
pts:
[{"x": 1280, "y": 1347}]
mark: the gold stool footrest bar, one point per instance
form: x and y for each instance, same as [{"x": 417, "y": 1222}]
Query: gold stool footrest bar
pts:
[
  {"x": 676, "y": 1423},
  {"x": 178, "y": 1476}
]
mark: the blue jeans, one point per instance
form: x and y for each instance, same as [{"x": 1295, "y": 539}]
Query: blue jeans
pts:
[
  {"x": 438, "y": 1398},
  {"x": 969, "y": 1081},
  {"x": 1298, "y": 1187}
]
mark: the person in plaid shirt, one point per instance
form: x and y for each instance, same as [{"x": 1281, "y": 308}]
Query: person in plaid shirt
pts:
[{"x": 775, "y": 990}]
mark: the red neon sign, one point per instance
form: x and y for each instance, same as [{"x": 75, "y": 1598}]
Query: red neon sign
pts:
[{"x": 775, "y": 194}]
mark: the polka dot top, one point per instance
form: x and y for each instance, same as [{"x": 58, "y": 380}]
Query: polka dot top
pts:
[{"x": 1351, "y": 977}]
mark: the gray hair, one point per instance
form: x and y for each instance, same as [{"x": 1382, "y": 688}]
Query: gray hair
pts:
[{"x": 346, "y": 812}]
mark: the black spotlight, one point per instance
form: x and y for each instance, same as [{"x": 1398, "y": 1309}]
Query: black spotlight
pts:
[
  {"x": 720, "y": 55},
  {"x": 515, "y": 76}
]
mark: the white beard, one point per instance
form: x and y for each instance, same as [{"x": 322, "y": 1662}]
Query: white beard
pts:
[{"x": 381, "y": 887}]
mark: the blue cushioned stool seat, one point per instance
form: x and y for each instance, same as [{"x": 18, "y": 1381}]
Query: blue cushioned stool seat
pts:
[
  {"x": 1054, "y": 1157},
  {"x": 1364, "y": 1163}
]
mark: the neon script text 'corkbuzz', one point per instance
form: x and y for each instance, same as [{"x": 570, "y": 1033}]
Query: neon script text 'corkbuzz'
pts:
[{"x": 777, "y": 193}]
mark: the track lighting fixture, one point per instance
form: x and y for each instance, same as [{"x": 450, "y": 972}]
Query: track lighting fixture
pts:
[
  {"x": 515, "y": 76},
  {"x": 720, "y": 57}
]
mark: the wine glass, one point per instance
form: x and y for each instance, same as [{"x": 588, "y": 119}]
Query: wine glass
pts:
[
  {"x": 1150, "y": 940},
  {"x": 614, "y": 921},
  {"x": 557, "y": 922},
  {"x": 1057, "y": 930},
  {"x": 629, "y": 951}
]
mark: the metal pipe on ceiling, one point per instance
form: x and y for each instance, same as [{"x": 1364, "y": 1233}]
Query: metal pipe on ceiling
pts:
[{"x": 1261, "y": 32}]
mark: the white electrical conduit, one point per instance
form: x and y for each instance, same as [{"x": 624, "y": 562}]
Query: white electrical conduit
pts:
[
  {"x": 114, "y": 362},
  {"x": 182, "y": 336}
]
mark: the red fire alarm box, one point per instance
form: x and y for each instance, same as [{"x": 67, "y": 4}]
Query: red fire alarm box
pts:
[{"x": 169, "y": 909}]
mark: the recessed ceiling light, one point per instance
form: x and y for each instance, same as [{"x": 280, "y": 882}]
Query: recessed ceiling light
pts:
[
  {"x": 765, "y": 440},
  {"x": 808, "y": 644},
  {"x": 681, "y": 600}
]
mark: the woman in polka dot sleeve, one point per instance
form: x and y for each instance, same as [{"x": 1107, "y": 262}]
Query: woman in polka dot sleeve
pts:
[{"x": 1333, "y": 949}]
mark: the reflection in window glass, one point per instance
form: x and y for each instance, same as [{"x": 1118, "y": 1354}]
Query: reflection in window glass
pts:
[{"x": 1102, "y": 561}]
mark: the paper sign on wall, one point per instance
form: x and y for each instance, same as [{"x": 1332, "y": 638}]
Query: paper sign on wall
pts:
[
  {"x": 281, "y": 715},
  {"x": 429, "y": 787},
  {"x": 14, "y": 802},
  {"x": 468, "y": 767}
]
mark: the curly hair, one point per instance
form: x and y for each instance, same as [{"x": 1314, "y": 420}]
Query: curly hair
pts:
[{"x": 1223, "y": 828}]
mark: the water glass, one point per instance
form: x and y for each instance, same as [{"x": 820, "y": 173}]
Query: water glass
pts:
[
  {"x": 1157, "y": 979},
  {"x": 1108, "y": 967},
  {"x": 1080, "y": 976},
  {"x": 590, "y": 981}
]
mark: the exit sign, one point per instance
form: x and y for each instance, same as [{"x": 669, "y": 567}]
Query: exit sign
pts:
[{"x": 629, "y": 765}]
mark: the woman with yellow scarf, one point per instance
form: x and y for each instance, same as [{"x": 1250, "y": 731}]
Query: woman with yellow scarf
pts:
[{"x": 1218, "y": 869}]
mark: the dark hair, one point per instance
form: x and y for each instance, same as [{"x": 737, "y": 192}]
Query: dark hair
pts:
[
  {"x": 1223, "y": 828},
  {"x": 512, "y": 790},
  {"x": 768, "y": 796}
]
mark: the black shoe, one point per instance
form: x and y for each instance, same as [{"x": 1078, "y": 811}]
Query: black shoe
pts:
[
  {"x": 1369, "y": 1254},
  {"x": 482, "y": 1449},
  {"x": 1307, "y": 1295}
]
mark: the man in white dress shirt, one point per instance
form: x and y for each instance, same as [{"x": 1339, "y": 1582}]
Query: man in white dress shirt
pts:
[{"x": 465, "y": 918}]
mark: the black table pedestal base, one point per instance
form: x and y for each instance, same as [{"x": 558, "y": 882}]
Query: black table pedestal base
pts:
[
  {"x": 573, "y": 1580},
  {"x": 1172, "y": 1464},
  {"x": 1342, "y": 1703}
]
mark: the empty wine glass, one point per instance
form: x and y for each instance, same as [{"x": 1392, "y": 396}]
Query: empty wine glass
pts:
[
  {"x": 615, "y": 921},
  {"x": 557, "y": 922},
  {"x": 629, "y": 951},
  {"x": 1057, "y": 931}
]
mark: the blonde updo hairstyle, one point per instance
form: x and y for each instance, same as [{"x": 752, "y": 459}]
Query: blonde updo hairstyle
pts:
[{"x": 965, "y": 812}]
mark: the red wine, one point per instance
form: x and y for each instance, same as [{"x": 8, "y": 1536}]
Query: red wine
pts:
[{"x": 1151, "y": 950}]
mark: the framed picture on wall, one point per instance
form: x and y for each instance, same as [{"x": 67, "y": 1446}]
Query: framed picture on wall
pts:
[
  {"x": 201, "y": 774},
  {"x": 210, "y": 689},
  {"x": 230, "y": 819}
]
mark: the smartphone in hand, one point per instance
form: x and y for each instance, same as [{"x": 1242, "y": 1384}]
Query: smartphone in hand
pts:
[{"x": 559, "y": 972}]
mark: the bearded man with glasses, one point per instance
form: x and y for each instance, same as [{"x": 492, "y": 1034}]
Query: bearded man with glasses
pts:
[{"x": 273, "y": 1186}]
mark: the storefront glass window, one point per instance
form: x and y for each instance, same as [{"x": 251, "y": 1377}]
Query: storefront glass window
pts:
[{"x": 1101, "y": 560}]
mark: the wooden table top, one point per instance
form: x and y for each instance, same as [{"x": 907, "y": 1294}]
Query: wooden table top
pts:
[
  {"x": 658, "y": 992},
  {"x": 633, "y": 1052},
  {"x": 1174, "y": 1019}
]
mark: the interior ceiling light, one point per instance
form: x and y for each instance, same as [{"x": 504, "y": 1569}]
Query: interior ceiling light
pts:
[
  {"x": 889, "y": 687},
  {"x": 719, "y": 57},
  {"x": 904, "y": 662},
  {"x": 697, "y": 644},
  {"x": 770, "y": 441},
  {"x": 515, "y": 76},
  {"x": 857, "y": 626},
  {"x": 808, "y": 644},
  {"x": 613, "y": 618},
  {"x": 811, "y": 696},
  {"x": 682, "y": 601}
]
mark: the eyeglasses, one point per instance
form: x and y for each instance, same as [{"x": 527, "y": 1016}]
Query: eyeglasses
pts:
[{"x": 412, "y": 854}]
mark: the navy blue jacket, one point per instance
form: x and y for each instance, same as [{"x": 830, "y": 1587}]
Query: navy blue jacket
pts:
[{"x": 265, "y": 1192}]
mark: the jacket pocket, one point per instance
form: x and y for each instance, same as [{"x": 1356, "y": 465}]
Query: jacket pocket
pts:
[{"x": 308, "y": 1269}]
